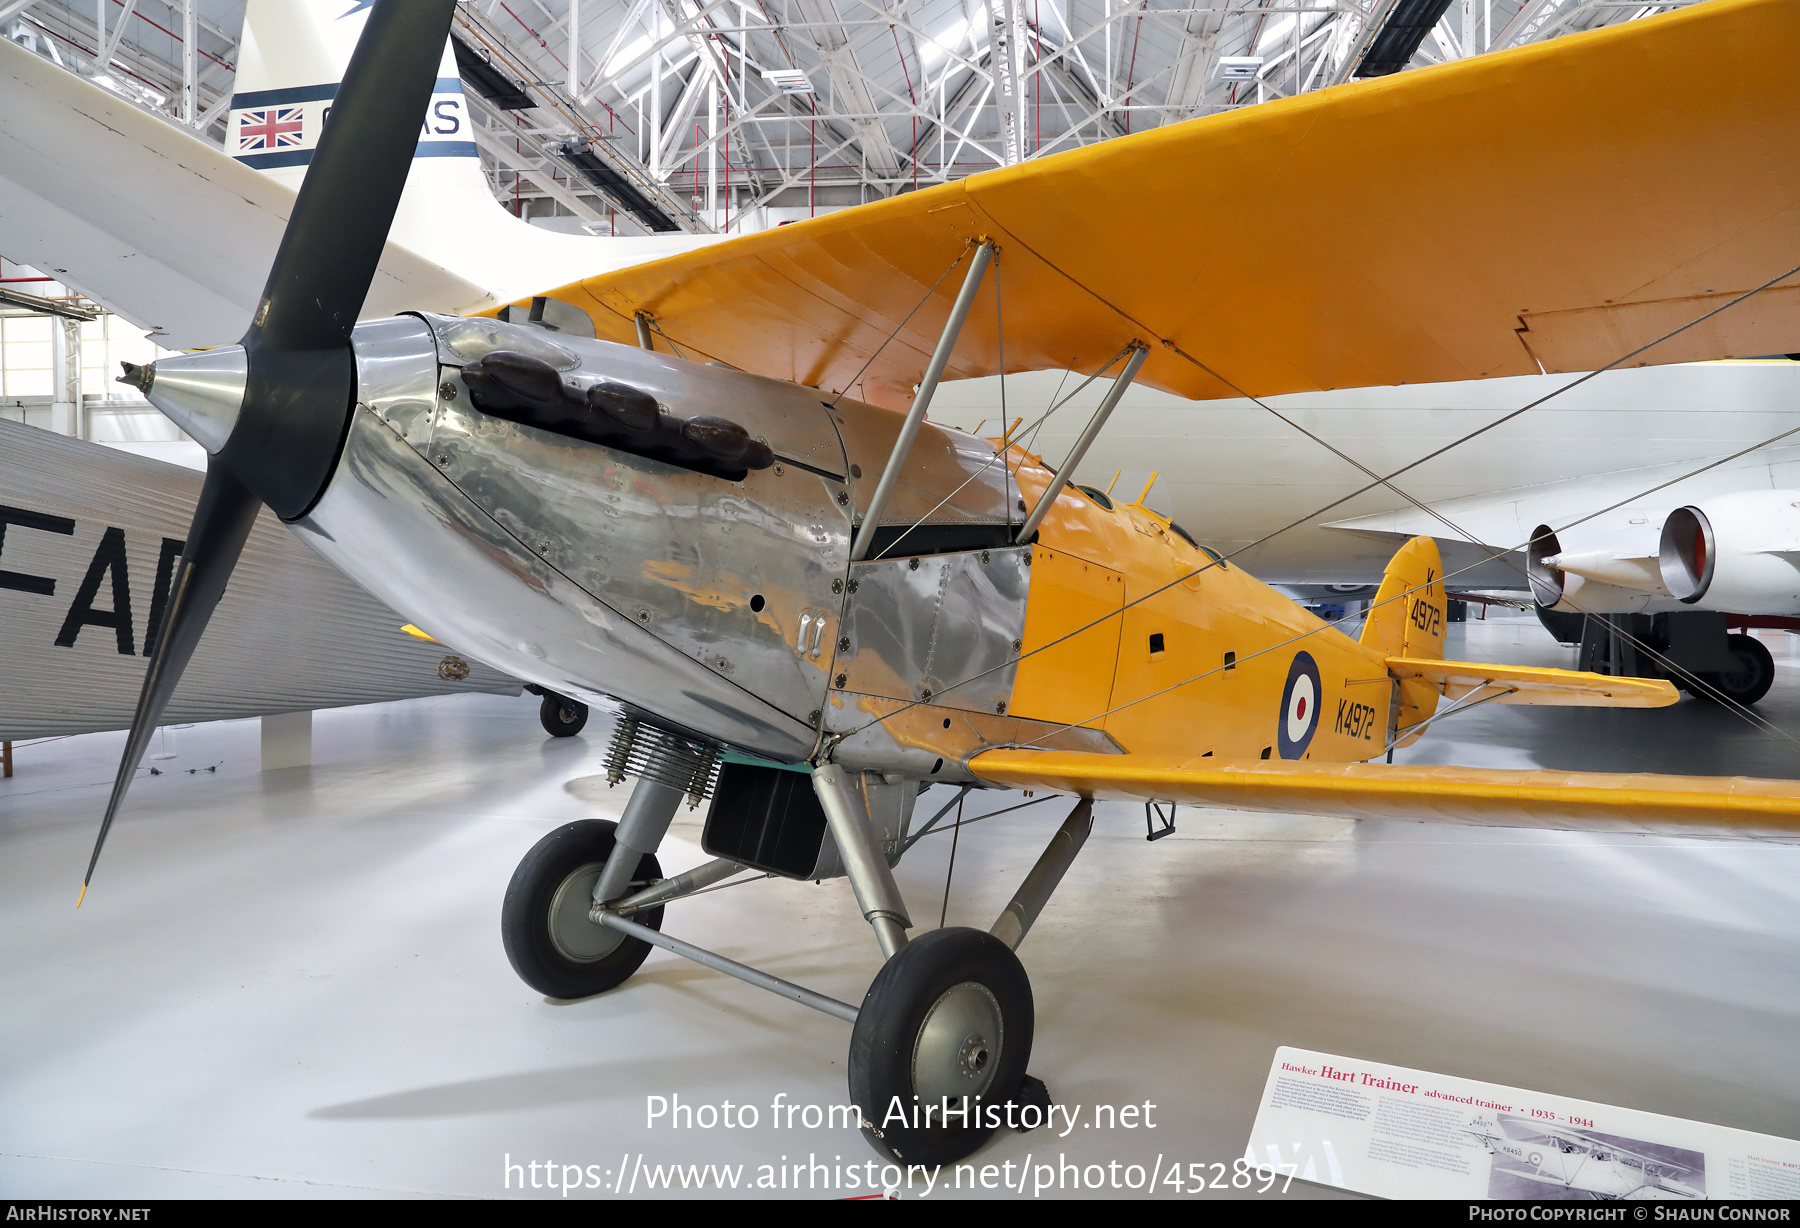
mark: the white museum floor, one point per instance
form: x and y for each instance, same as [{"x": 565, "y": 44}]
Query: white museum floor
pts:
[{"x": 291, "y": 984}]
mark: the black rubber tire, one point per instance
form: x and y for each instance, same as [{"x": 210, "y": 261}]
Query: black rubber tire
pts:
[
  {"x": 562, "y": 718},
  {"x": 570, "y": 857},
  {"x": 1753, "y": 677},
  {"x": 895, "y": 1011}
]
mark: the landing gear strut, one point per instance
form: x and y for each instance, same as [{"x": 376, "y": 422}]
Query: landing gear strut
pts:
[
  {"x": 939, "y": 1046},
  {"x": 547, "y": 921}
]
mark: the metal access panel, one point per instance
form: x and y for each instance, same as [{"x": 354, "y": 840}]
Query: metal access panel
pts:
[{"x": 943, "y": 628}]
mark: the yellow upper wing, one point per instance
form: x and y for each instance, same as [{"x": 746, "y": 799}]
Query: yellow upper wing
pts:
[
  {"x": 1560, "y": 204},
  {"x": 1523, "y": 684},
  {"x": 1682, "y": 805}
]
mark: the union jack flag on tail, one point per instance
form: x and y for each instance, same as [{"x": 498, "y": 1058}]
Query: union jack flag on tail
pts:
[{"x": 273, "y": 128}]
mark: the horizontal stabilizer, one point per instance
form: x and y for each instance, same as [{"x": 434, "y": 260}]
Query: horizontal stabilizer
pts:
[
  {"x": 1522, "y": 684},
  {"x": 1733, "y": 807}
]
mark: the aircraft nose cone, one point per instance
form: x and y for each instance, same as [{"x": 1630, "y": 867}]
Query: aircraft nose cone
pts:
[{"x": 200, "y": 392}]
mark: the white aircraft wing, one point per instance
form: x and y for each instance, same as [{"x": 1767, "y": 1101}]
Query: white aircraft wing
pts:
[
  {"x": 153, "y": 222},
  {"x": 1618, "y": 515}
]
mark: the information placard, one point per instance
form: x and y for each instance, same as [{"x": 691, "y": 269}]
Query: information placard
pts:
[{"x": 1401, "y": 1133}]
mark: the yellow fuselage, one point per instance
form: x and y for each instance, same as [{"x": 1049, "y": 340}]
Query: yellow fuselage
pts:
[{"x": 1206, "y": 659}]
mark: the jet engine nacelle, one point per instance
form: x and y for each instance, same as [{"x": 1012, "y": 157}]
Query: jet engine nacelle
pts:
[
  {"x": 1737, "y": 552},
  {"x": 1594, "y": 583}
]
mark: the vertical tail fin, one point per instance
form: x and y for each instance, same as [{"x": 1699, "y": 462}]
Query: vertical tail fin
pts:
[
  {"x": 291, "y": 60},
  {"x": 1407, "y": 620}
]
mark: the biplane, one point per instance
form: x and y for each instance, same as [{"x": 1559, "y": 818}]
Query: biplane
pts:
[
  {"x": 1582, "y": 1162},
  {"x": 705, "y": 488}
]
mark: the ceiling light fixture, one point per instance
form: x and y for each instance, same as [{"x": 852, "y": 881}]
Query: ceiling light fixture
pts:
[{"x": 789, "y": 81}]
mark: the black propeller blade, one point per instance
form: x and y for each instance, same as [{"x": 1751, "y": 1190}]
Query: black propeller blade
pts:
[
  {"x": 274, "y": 409},
  {"x": 222, "y": 524}
]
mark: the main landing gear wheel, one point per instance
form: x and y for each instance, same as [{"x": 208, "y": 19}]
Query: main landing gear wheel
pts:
[
  {"x": 1754, "y": 675},
  {"x": 552, "y": 944},
  {"x": 562, "y": 718},
  {"x": 950, "y": 1015}
]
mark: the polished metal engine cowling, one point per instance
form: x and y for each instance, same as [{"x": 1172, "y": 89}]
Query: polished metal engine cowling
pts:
[
  {"x": 722, "y": 571},
  {"x": 949, "y": 478},
  {"x": 590, "y": 573},
  {"x": 927, "y": 662},
  {"x": 728, "y": 608}
]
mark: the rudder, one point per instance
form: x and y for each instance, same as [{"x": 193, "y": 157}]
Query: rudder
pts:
[
  {"x": 1407, "y": 620},
  {"x": 291, "y": 59},
  {"x": 1407, "y": 617}
]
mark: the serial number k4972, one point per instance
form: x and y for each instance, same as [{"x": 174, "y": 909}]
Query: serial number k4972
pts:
[
  {"x": 1354, "y": 720},
  {"x": 1427, "y": 617}
]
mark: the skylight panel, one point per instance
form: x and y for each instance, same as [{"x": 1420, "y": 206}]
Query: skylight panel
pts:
[
  {"x": 951, "y": 39},
  {"x": 1275, "y": 32}
]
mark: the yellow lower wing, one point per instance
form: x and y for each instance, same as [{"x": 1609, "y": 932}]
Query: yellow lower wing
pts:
[
  {"x": 1517, "y": 684},
  {"x": 1736, "y": 807}
]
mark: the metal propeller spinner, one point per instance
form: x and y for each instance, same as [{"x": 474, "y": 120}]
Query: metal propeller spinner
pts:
[{"x": 273, "y": 409}]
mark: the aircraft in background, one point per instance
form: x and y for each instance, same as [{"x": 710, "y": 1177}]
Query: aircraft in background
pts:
[
  {"x": 1656, "y": 572},
  {"x": 1235, "y": 470},
  {"x": 1580, "y": 1161},
  {"x": 811, "y": 604},
  {"x": 89, "y": 540},
  {"x": 173, "y": 234}
]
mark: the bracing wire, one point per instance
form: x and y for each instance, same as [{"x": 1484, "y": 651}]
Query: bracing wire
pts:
[
  {"x": 1741, "y": 710},
  {"x": 657, "y": 329},
  {"x": 955, "y": 839},
  {"x": 992, "y": 814},
  {"x": 1031, "y": 444},
  {"x": 1503, "y": 419},
  {"x": 1508, "y": 557},
  {"x": 1379, "y": 481},
  {"x": 886, "y": 341},
  {"x": 932, "y": 823},
  {"x": 1006, "y": 432},
  {"x": 1756, "y": 720}
]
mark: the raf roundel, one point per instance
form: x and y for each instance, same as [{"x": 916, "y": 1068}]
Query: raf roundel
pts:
[{"x": 1299, "y": 707}]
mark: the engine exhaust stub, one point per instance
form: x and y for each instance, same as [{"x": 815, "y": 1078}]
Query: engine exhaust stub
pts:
[{"x": 527, "y": 390}]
